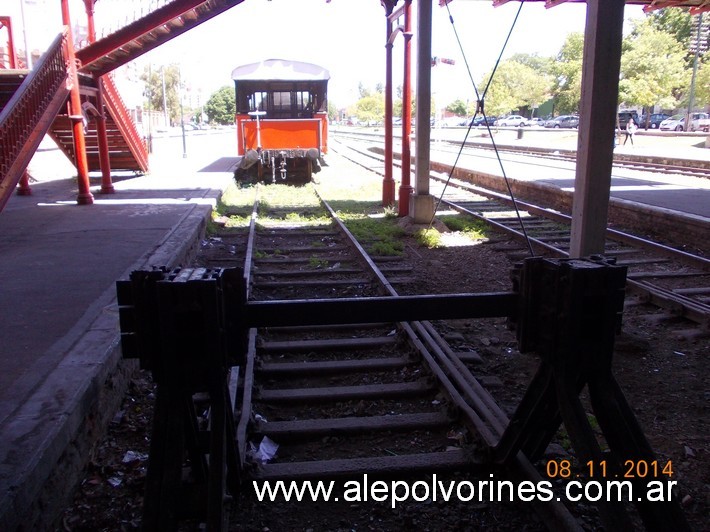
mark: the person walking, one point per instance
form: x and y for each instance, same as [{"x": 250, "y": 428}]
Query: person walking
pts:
[{"x": 631, "y": 128}]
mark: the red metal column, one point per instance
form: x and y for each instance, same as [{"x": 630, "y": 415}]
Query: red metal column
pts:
[
  {"x": 104, "y": 159},
  {"x": 84, "y": 197},
  {"x": 405, "y": 188},
  {"x": 388, "y": 181},
  {"x": 7, "y": 23},
  {"x": 24, "y": 188}
]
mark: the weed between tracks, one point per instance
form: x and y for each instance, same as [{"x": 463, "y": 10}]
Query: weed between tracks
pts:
[{"x": 662, "y": 377}]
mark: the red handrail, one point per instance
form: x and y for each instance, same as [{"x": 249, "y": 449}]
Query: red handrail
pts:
[
  {"x": 115, "y": 105},
  {"x": 30, "y": 112}
]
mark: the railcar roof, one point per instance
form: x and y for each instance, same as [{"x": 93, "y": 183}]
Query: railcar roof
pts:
[{"x": 280, "y": 69}]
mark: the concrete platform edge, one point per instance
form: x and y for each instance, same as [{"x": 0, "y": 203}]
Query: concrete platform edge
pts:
[
  {"x": 673, "y": 226},
  {"x": 54, "y": 430}
]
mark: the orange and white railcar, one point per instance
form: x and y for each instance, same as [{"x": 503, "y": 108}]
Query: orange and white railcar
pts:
[{"x": 281, "y": 118}]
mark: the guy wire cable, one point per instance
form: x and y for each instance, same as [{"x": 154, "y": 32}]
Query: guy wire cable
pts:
[{"x": 481, "y": 106}]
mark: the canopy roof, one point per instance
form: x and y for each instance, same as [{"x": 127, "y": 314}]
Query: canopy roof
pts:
[{"x": 280, "y": 69}]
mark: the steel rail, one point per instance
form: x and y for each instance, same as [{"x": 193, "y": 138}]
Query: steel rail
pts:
[
  {"x": 482, "y": 412},
  {"x": 620, "y": 160},
  {"x": 695, "y": 311},
  {"x": 476, "y": 406}
]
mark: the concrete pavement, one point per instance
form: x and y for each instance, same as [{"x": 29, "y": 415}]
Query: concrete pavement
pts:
[{"x": 61, "y": 373}]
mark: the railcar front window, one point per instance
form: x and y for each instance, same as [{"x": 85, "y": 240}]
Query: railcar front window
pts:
[
  {"x": 282, "y": 101},
  {"x": 257, "y": 101}
]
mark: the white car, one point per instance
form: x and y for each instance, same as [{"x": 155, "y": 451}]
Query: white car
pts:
[
  {"x": 674, "y": 123},
  {"x": 535, "y": 122},
  {"x": 511, "y": 120},
  {"x": 677, "y": 122}
]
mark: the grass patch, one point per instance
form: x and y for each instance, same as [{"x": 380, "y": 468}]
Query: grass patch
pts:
[
  {"x": 430, "y": 238},
  {"x": 317, "y": 264},
  {"x": 472, "y": 228}
]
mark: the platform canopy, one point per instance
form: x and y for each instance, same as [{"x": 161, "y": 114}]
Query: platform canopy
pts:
[
  {"x": 280, "y": 69},
  {"x": 696, "y": 6}
]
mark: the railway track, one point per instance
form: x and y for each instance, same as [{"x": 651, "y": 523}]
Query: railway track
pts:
[
  {"x": 362, "y": 397},
  {"x": 355, "y": 400},
  {"x": 634, "y": 162},
  {"x": 672, "y": 279}
]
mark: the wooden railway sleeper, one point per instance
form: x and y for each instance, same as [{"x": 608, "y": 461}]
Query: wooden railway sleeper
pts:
[{"x": 190, "y": 326}]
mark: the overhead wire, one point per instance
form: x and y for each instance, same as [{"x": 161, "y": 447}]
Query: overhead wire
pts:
[{"x": 480, "y": 106}]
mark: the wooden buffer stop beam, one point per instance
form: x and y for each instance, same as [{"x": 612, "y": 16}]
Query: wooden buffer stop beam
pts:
[{"x": 189, "y": 327}]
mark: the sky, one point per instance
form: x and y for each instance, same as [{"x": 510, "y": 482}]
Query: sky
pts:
[{"x": 345, "y": 36}]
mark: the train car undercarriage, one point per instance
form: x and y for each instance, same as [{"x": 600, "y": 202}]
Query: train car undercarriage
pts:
[{"x": 295, "y": 166}]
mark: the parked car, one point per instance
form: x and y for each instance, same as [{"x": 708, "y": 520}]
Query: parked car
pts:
[
  {"x": 654, "y": 120},
  {"x": 535, "y": 122},
  {"x": 624, "y": 117},
  {"x": 570, "y": 121},
  {"x": 698, "y": 121},
  {"x": 674, "y": 123},
  {"x": 704, "y": 125},
  {"x": 511, "y": 120},
  {"x": 482, "y": 121},
  {"x": 451, "y": 121}
]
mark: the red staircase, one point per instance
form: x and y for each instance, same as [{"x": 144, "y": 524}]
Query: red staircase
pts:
[
  {"x": 144, "y": 34},
  {"x": 127, "y": 149},
  {"x": 30, "y": 101}
]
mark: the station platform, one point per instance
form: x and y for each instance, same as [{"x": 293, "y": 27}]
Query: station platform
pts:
[
  {"x": 59, "y": 338},
  {"x": 59, "y": 357}
]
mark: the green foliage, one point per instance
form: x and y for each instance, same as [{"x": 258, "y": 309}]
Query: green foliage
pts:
[
  {"x": 653, "y": 70},
  {"x": 333, "y": 113},
  {"x": 472, "y": 228},
  {"x": 430, "y": 238},
  {"x": 567, "y": 88},
  {"x": 676, "y": 22},
  {"x": 515, "y": 85},
  {"x": 702, "y": 83},
  {"x": 458, "y": 107},
  {"x": 317, "y": 263},
  {"x": 370, "y": 107},
  {"x": 388, "y": 248},
  {"x": 167, "y": 77},
  {"x": 221, "y": 106}
]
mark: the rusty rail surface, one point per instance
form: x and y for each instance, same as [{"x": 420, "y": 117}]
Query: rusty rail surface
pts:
[
  {"x": 116, "y": 106},
  {"x": 30, "y": 112}
]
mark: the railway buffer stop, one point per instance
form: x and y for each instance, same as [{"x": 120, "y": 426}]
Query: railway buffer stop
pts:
[{"x": 189, "y": 327}]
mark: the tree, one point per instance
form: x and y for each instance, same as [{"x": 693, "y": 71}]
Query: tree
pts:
[
  {"x": 333, "y": 113},
  {"x": 457, "y": 107},
  {"x": 677, "y": 22},
  {"x": 155, "y": 80},
  {"x": 653, "y": 69},
  {"x": 369, "y": 108},
  {"x": 702, "y": 84},
  {"x": 515, "y": 85},
  {"x": 221, "y": 106},
  {"x": 567, "y": 88}
]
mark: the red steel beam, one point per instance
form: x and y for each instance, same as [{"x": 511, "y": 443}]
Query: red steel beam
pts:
[
  {"x": 155, "y": 19},
  {"x": 135, "y": 29}
]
